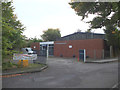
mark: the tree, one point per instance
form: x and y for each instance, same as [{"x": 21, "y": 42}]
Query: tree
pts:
[
  {"x": 31, "y": 40},
  {"x": 51, "y": 35},
  {"x": 12, "y": 30},
  {"x": 107, "y": 16},
  {"x": 36, "y": 40}
]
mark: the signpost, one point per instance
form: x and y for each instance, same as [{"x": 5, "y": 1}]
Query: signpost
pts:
[{"x": 23, "y": 58}]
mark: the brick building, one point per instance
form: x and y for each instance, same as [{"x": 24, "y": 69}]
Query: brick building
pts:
[{"x": 69, "y": 46}]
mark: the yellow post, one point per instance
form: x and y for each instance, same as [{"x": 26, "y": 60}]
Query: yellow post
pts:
[
  {"x": 23, "y": 63},
  {"x": 19, "y": 63}
]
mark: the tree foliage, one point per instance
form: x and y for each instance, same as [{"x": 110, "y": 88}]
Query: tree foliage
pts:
[
  {"x": 12, "y": 30},
  {"x": 51, "y": 34},
  {"x": 31, "y": 40},
  {"x": 107, "y": 16}
]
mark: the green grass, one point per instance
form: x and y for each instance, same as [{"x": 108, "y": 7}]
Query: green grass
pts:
[
  {"x": 30, "y": 67},
  {"x": 35, "y": 65},
  {"x": 9, "y": 66}
]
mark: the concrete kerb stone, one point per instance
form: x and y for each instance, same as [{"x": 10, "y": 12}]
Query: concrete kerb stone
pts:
[
  {"x": 101, "y": 62},
  {"x": 29, "y": 71}
]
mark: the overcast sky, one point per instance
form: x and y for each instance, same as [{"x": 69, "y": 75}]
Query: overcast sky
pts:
[{"x": 39, "y": 15}]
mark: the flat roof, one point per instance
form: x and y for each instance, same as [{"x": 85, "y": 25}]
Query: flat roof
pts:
[{"x": 50, "y": 42}]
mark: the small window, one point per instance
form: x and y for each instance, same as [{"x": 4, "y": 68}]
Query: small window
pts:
[
  {"x": 34, "y": 47},
  {"x": 51, "y": 45},
  {"x": 44, "y": 47}
]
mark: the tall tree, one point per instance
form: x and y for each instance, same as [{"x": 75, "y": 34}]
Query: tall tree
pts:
[
  {"x": 107, "y": 16},
  {"x": 12, "y": 29},
  {"x": 51, "y": 34}
]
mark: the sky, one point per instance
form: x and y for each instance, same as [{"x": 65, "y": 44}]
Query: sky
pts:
[{"x": 39, "y": 15}]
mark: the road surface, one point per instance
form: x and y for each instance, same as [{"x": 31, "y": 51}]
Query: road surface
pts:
[{"x": 67, "y": 73}]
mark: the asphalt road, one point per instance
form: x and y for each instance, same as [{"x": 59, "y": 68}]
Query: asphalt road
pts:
[{"x": 67, "y": 73}]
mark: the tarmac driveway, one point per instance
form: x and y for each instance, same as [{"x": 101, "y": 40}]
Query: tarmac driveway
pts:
[{"x": 68, "y": 73}]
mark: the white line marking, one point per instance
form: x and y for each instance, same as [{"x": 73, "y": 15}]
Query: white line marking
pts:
[{"x": 116, "y": 85}]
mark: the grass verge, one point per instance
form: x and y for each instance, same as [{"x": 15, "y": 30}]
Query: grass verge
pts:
[{"x": 11, "y": 66}]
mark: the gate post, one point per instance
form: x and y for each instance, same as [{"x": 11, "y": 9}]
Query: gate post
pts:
[
  {"x": 111, "y": 51},
  {"x": 103, "y": 52},
  {"x": 84, "y": 55},
  {"x": 47, "y": 51}
]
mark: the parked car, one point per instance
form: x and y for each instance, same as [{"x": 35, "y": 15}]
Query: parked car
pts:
[{"x": 27, "y": 51}]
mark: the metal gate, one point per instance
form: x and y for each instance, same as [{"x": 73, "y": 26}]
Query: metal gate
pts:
[{"x": 82, "y": 55}]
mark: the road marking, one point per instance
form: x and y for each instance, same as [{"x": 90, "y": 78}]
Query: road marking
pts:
[{"x": 116, "y": 85}]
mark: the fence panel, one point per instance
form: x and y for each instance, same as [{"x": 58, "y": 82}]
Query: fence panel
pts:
[
  {"x": 40, "y": 60},
  {"x": 41, "y": 56},
  {"x": 97, "y": 54}
]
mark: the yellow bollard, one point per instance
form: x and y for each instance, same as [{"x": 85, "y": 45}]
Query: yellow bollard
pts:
[
  {"x": 19, "y": 63},
  {"x": 23, "y": 63}
]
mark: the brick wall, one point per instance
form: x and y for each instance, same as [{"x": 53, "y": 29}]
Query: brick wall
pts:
[
  {"x": 62, "y": 47},
  {"x": 37, "y": 47},
  {"x": 35, "y": 44}
]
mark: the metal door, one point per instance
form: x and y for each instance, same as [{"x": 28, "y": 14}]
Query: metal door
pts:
[{"x": 82, "y": 54}]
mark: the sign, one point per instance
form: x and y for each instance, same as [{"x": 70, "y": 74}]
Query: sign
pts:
[
  {"x": 24, "y": 56},
  {"x": 60, "y": 43},
  {"x": 70, "y": 46}
]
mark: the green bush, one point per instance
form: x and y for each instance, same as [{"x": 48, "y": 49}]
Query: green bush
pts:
[{"x": 7, "y": 65}]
